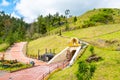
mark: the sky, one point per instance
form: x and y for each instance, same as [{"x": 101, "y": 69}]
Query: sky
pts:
[{"x": 31, "y": 9}]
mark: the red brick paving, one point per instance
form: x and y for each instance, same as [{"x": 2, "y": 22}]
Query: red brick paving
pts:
[
  {"x": 15, "y": 52},
  {"x": 35, "y": 73}
]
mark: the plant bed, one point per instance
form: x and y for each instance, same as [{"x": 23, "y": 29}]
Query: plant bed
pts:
[
  {"x": 93, "y": 57},
  {"x": 12, "y": 65}
]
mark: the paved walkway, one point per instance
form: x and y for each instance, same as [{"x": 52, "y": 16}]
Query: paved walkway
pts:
[
  {"x": 35, "y": 73},
  {"x": 16, "y": 52},
  {"x": 3, "y": 73}
]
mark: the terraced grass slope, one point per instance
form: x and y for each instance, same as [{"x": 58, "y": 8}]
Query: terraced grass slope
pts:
[
  {"x": 105, "y": 36},
  {"x": 54, "y": 42},
  {"x": 107, "y": 69},
  {"x": 91, "y": 35},
  {"x": 92, "y": 32}
]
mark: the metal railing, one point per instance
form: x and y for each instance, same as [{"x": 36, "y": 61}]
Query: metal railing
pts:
[{"x": 52, "y": 68}]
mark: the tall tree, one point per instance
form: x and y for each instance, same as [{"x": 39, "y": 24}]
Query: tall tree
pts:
[{"x": 67, "y": 11}]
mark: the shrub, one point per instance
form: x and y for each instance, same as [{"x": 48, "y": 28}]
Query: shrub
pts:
[
  {"x": 102, "y": 17},
  {"x": 91, "y": 49},
  {"x": 88, "y": 24},
  {"x": 85, "y": 71}
]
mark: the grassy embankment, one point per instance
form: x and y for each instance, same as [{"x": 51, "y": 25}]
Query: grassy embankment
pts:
[
  {"x": 4, "y": 46},
  {"x": 91, "y": 35},
  {"x": 109, "y": 67},
  {"x": 105, "y": 38},
  {"x": 54, "y": 42}
]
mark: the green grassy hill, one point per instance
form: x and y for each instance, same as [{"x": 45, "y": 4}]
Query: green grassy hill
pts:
[
  {"x": 93, "y": 17},
  {"x": 105, "y": 39},
  {"x": 106, "y": 69},
  {"x": 89, "y": 34},
  {"x": 105, "y": 36},
  {"x": 54, "y": 42},
  {"x": 94, "y": 35}
]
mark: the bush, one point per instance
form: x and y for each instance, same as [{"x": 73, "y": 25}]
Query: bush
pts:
[
  {"x": 85, "y": 71},
  {"x": 91, "y": 49},
  {"x": 88, "y": 24},
  {"x": 102, "y": 17}
]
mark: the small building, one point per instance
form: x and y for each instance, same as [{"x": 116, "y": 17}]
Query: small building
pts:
[{"x": 74, "y": 42}]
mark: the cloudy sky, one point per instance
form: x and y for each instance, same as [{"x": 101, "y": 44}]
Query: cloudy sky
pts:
[{"x": 31, "y": 9}]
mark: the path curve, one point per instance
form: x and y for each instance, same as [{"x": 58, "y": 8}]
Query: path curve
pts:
[
  {"x": 35, "y": 73},
  {"x": 16, "y": 52}
]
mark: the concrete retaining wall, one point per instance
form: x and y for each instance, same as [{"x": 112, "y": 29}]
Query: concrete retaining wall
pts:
[{"x": 59, "y": 57}]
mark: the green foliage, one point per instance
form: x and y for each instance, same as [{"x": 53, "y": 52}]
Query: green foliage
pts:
[
  {"x": 14, "y": 29},
  {"x": 11, "y": 29},
  {"x": 91, "y": 49},
  {"x": 4, "y": 46},
  {"x": 92, "y": 69},
  {"x": 88, "y": 24},
  {"x": 60, "y": 33},
  {"x": 12, "y": 65},
  {"x": 75, "y": 19},
  {"x": 67, "y": 26},
  {"x": 85, "y": 70},
  {"x": 102, "y": 18}
]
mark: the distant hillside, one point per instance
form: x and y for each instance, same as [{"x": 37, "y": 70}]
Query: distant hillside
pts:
[
  {"x": 101, "y": 14},
  {"x": 91, "y": 18}
]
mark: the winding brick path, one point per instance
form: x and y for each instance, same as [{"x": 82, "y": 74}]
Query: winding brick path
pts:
[
  {"x": 16, "y": 52},
  {"x": 35, "y": 73}
]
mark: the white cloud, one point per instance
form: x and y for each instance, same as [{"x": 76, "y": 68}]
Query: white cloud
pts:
[
  {"x": 31, "y": 9},
  {"x": 15, "y": 15},
  {"x": 4, "y": 3}
]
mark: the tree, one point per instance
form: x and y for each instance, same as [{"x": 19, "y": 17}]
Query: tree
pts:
[
  {"x": 67, "y": 11},
  {"x": 60, "y": 33},
  {"x": 75, "y": 19}
]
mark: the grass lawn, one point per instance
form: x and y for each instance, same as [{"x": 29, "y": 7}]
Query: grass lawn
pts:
[
  {"x": 50, "y": 42},
  {"x": 94, "y": 35},
  {"x": 92, "y": 32},
  {"x": 113, "y": 41},
  {"x": 107, "y": 69},
  {"x": 59, "y": 43}
]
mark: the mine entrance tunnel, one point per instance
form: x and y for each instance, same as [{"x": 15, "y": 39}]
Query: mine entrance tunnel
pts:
[
  {"x": 70, "y": 54},
  {"x": 73, "y": 52}
]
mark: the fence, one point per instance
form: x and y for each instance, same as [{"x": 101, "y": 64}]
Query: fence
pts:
[{"x": 53, "y": 67}]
